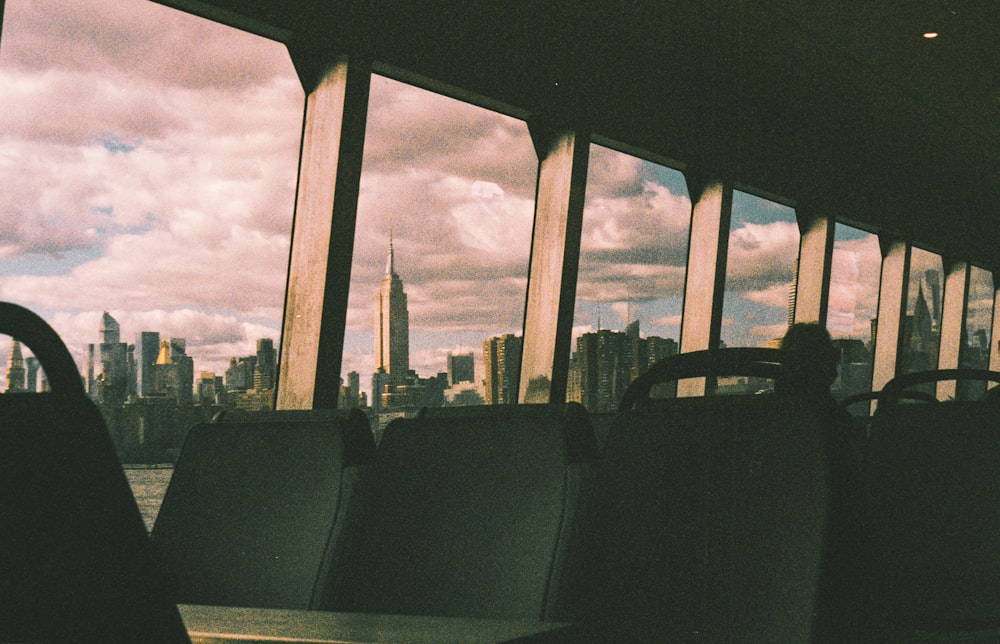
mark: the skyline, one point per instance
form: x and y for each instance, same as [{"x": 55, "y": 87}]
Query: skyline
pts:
[{"x": 158, "y": 181}]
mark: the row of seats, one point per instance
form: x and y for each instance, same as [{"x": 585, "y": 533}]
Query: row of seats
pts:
[
  {"x": 719, "y": 519},
  {"x": 700, "y": 517},
  {"x": 458, "y": 513},
  {"x": 929, "y": 481}
]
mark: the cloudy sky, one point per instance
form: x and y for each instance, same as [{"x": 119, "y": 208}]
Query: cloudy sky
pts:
[{"x": 148, "y": 160}]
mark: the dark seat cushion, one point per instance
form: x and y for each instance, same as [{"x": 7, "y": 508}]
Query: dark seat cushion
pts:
[
  {"x": 252, "y": 511},
  {"x": 466, "y": 513},
  {"x": 707, "y": 521}
]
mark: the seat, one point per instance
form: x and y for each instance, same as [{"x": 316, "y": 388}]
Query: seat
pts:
[
  {"x": 932, "y": 480},
  {"x": 468, "y": 514},
  {"x": 75, "y": 562},
  {"x": 256, "y": 504},
  {"x": 708, "y": 515}
]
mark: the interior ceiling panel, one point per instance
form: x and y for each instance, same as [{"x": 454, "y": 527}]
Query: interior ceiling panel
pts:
[{"x": 840, "y": 105}]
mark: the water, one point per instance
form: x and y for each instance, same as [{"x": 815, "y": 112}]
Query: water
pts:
[{"x": 149, "y": 484}]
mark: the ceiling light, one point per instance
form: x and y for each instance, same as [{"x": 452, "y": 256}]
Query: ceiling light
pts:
[{"x": 930, "y": 35}]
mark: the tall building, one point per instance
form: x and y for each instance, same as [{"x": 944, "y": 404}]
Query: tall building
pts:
[
  {"x": 239, "y": 375},
  {"x": 33, "y": 367},
  {"x": 16, "y": 373},
  {"x": 147, "y": 349},
  {"x": 461, "y": 368},
  {"x": 113, "y": 387},
  {"x": 502, "y": 364},
  {"x": 606, "y": 362},
  {"x": 91, "y": 386},
  {"x": 263, "y": 374},
  {"x": 392, "y": 325},
  {"x": 184, "y": 366}
]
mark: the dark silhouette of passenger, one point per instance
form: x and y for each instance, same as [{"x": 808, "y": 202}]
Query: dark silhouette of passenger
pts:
[
  {"x": 809, "y": 368},
  {"x": 809, "y": 361}
]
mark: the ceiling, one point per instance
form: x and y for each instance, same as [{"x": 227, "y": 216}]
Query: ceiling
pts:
[{"x": 840, "y": 107}]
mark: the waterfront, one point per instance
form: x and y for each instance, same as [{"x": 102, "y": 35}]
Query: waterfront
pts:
[{"x": 149, "y": 484}]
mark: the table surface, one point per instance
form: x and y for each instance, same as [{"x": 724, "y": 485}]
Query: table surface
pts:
[{"x": 211, "y": 624}]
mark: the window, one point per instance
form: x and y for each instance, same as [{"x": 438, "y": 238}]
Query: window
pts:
[
  {"x": 441, "y": 254},
  {"x": 760, "y": 272},
  {"x": 974, "y": 352},
  {"x": 922, "y": 325},
  {"x": 630, "y": 287},
  {"x": 854, "y": 283},
  {"x": 148, "y": 197}
]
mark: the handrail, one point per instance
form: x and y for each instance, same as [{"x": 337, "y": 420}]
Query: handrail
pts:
[
  {"x": 60, "y": 368},
  {"x": 895, "y": 389},
  {"x": 742, "y": 361}
]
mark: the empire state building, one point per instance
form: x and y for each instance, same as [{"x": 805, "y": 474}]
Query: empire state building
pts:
[{"x": 392, "y": 325}]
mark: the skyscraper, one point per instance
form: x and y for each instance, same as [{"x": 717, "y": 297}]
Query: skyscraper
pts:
[
  {"x": 147, "y": 349},
  {"x": 114, "y": 363},
  {"x": 185, "y": 369},
  {"x": 392, "y": 325},
  {"x": 502, "y": 364},
  {"x": 15, "y": 368},
  {"x": 33, "y": 367},
  {"x": 461, "y": 368},
  {"x": 263, "y": 376}
]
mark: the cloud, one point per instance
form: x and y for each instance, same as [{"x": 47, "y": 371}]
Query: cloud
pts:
[
  {"x": 761, "y": 256},
  {"x": 411, "y": 127},
  {"x": 137, "y": 39},
  {"x": 854, "y": 286}
]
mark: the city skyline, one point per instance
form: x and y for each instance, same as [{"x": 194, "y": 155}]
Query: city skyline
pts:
[{"x": 158, "y": 183}]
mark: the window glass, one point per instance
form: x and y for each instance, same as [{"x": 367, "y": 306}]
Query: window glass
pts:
[
  {"x": 922, "y": 325},
  {"x": 148, "y": 163},
  {"x": 975, "y": 350},
  {"x": 441, "y": 254},
  {"x": 630, "y": 287},
  {"x": 854, "y": 283},
  {"x": 760, "y": 272}
]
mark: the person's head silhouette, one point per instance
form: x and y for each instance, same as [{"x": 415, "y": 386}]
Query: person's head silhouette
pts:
[{"x": 810, "y": 360}]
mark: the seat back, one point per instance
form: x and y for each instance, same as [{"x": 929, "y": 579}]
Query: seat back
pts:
[
  {"x": 932, "y": 481},
  {"x": 707, "y": 521},
  {"x": 468, "y": 514},
  {"x": 75, "y": 563},
  {"x": 255, "y": 506}
]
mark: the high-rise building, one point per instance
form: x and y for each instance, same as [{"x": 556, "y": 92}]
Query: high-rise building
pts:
[
  {"x": 502, "y": 364},
  {"x": 114, "y": 386},
  {"x": 147, "y": 349},
  {"x": 606, "y": 362},
  {"x": 392, "y": 325},
  {"x": 33, "y": 367},
  {"x": 461, "y": 368},
  {"x": 263, "y": 375},
  {"x": 16, "y": 373},
  {"x": 239, "y": 375},
  {"x": 185, "y": 369},
  {"x": 91, "y": 387}
]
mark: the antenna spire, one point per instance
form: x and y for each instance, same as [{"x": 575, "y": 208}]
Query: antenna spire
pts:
[{"x": 390, "y": 265}]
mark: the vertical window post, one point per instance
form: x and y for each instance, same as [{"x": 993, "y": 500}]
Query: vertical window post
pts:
[
  {"x": 555, "y": 257},
  {"x": 891, "y": 309},
  {"x": 994, "y": 359},
  {"x": 333, "y": 133},
  {"x": 812, "y": 287},
  {"x": 956, "y": 287},
  {"x": 704, "y": 285}
]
